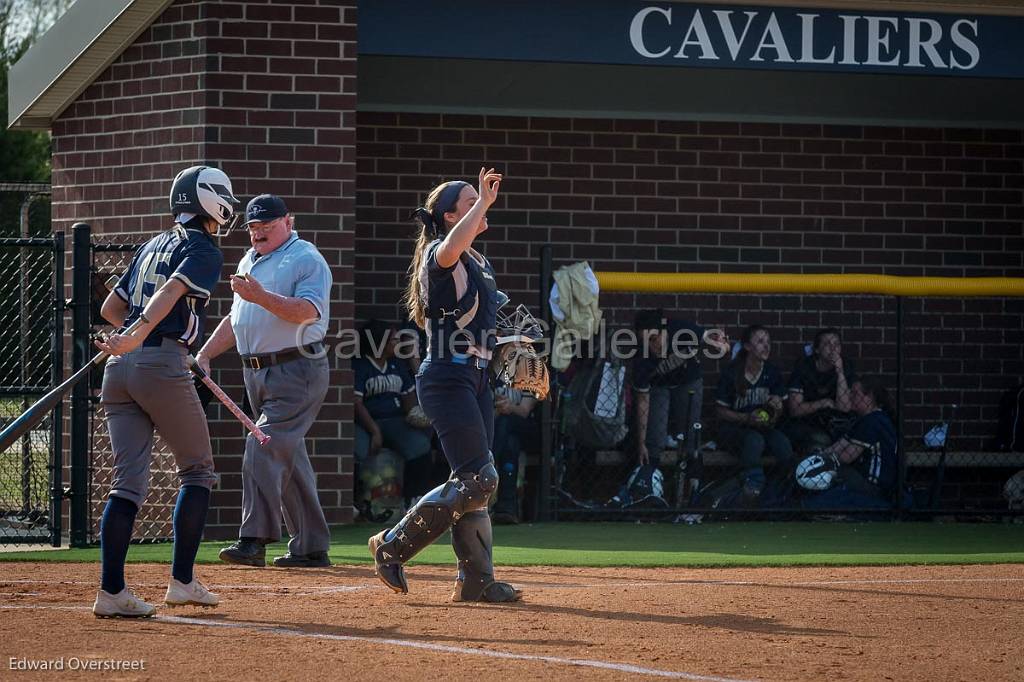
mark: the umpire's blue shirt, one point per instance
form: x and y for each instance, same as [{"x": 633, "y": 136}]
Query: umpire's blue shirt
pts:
[{"x": 295, "y": 269}]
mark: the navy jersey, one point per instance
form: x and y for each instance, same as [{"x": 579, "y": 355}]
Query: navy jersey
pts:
[
  {"x": 815, "y": 385},
  {"x": 382, "y": 388},
  {"x": 681, "y": 364},
  {"x": 466, "y": 292},
  {"x": 768, "y": 383},
  {"x": 188, "y": 255},
  {"x": 877, "y": 463}
]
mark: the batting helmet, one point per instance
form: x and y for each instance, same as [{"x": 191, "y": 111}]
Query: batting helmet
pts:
[
  {"x": 1013, "y": 491},
  {"x": 205, "y": 191},
  {"x": 817, "y": 472}
]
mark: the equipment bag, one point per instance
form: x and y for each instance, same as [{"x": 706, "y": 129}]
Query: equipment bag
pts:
[{"x": 596, "y": 412}]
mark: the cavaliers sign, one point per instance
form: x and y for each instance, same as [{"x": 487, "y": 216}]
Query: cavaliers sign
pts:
[{"x": 680, "y": 34}]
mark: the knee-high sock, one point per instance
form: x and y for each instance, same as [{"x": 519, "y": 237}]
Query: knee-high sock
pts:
[
  {"x": 115, "y": 536},
  {"x": 189, "y": 521}
]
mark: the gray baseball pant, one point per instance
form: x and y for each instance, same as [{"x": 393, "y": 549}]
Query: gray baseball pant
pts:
[
  {"x": 278, "y": 478},
  {"x": 151, "y": 387}
]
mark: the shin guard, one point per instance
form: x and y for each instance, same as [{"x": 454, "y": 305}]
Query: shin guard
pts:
[
  {"x": 472, "y": 541},
  {"x": 428, "y": 520}
]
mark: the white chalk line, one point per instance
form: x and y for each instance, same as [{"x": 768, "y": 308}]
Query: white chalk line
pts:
[
  {"x": 312, "y": 589},
  {"x": 428, "y": 646},
  {"x": 760, "y": 583},
  {"x": 299, "y": 590}
]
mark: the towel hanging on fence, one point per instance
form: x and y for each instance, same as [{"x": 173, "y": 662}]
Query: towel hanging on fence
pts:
[{"x": 573, "y": 301}]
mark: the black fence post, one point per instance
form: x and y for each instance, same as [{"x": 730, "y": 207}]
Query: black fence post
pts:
[
  {"x": 57, "y": 376},
  {"x": 80, "y": 306},
  {"x": 901, "y": 468},
  {"x": 546, "y": 434}
]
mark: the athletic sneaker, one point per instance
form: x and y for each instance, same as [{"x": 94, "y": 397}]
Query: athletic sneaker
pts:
[
  {"x": 180, "y": 594},
  {"x": 124, "y": 604}
]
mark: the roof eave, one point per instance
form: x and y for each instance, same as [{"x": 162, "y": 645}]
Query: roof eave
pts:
[{"x": 73, "y": 54}]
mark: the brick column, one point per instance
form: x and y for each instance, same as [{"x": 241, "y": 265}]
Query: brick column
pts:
[{"x": 217, "y": 82}]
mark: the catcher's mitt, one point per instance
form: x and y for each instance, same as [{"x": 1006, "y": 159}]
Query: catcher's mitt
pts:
[
  {"x": 417, "y": 418},
  {"x": 517, "y": 365}
]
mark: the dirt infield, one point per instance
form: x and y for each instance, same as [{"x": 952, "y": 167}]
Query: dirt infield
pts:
[{"x": 906, "y": 623}]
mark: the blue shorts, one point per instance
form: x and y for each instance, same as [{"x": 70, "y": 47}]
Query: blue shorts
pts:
[{"x": 459, "y": 403}]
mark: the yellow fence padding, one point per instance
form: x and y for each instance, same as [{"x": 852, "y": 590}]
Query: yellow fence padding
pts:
[{"x": 722, "y": 283}]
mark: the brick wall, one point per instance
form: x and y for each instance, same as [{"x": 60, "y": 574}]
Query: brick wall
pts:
[
  {"x": 665, "y": 196},
  {"x": 221, "y": 83}
]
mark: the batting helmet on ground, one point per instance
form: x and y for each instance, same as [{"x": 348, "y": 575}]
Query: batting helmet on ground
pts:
[
  {"x": 1013, "y": 491},
  {"x": 817, "y": 471}
]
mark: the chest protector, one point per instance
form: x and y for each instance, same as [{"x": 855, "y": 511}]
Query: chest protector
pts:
[{"x": 458, "y": 323}]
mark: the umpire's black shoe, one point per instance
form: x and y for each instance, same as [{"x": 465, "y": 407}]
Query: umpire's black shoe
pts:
[
  {"x": 311, "y": 560},
  {"x": 245, "y": 552}
]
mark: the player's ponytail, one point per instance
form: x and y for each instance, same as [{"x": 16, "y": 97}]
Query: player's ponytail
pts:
[{"x": 429, "y": 231}]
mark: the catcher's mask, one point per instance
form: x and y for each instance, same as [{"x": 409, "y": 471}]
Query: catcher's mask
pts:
[
  {"x": 517, "y": 326},
  {"x": 516, "y": 363}
]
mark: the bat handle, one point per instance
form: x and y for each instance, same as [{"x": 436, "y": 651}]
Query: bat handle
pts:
[
  {"x": 257, "y": 433},
  {"x": 101, "y": 356}
]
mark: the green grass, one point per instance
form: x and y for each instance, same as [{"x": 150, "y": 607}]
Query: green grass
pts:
[
  {"x": 645, "y": 545},
  {"x": 11, "y": 462},
  {"x": 10, "y": 477}
]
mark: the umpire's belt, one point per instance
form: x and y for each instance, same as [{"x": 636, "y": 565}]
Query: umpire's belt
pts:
[{"x": 269, "y": 359}]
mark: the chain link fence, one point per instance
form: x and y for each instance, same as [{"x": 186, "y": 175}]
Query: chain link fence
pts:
[
  {"x": 961, "y": 365},
  {"x": 111, "y": 254},
  {"x": 27, "y": 368}
]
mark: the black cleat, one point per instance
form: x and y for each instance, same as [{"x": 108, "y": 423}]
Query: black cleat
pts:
[
  {"x": 245, "y": 552},
  {"x": 311, "y": 560},
  {"x": 389, "y": 571},
  {"x": 496, "y": 593}
]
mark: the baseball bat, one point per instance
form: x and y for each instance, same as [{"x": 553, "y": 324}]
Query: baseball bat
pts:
[
  {"x": 696, "y": 468},
  {"x": 35, "y": 414},
  {"x": 256, "y": 431}
]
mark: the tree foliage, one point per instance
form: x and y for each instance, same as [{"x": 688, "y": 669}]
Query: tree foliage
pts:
[{"x": 24, "y": 155}]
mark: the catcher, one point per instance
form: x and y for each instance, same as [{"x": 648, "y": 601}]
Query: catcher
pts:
[
  {"x": 748, "y": 404},
  {"x": 452, "y": 294}
]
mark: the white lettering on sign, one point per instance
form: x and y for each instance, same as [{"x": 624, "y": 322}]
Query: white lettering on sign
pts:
[
  {"x": 734, "y": 37},
  {"x": 965, "y": 44},
  {"x": 636, "y": 31}
]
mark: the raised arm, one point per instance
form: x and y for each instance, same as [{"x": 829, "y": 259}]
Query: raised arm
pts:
[{"x": 473, "y": 223}]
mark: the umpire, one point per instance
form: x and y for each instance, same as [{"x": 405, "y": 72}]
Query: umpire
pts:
[{"x": 278, "y": 322}]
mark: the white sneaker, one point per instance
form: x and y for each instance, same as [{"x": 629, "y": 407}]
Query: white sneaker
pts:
[
  {"x": 124, "y": 604},
  {"x": 195, "y": 594}
]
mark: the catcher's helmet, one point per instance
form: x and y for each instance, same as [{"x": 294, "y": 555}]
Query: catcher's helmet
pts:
[
  {"x": 205, "y": 191},
  {"x": 816, "y": 472},
  {"x": 519, "y": 325}
]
